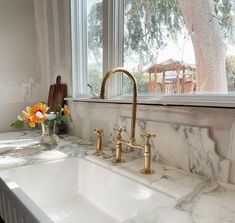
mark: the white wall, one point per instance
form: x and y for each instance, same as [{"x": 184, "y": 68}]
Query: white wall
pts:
[
  {"x": 18, "y": 59},
  {"x": 59, "y": 42},
  {"x": 34, "y": 48}
]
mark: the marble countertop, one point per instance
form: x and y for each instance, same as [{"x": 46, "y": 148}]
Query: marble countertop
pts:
[{"x": 197, "y": 200}]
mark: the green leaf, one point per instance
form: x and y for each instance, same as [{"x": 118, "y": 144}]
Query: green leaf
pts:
[
  {"x": 18, "y": 124},
  {"x": 53, "y": 140},
  {"x": 50, "y": 124},
  {"x": 21, "y": 117},
  {"x": 65, "y": 120},
  {"x": 46, "y": 121},
  {"x": 58, "y": 108}
]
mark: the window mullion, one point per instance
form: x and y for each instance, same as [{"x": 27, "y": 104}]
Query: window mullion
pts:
[
  {"x": 118, "y": 48},
  {"x": 83, "y": 46},
  {"x": 107, "y": 35},
  {"x": 112, "y": 43},
  {"x": 74, "y": 27},
  {"x": 79, "y": 46}
]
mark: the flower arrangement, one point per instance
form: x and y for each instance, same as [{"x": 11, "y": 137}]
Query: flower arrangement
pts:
[{"x": 38, "y": 114}]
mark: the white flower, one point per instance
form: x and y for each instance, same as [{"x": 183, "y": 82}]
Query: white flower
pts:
[
  {"x": 51, "y": 116},
  {"x": 39, "y": 114}
]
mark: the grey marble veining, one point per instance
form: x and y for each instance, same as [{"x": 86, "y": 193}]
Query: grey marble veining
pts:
[
  {"x": 196, "y": 200},
  {"x": 186, "y": 147},
  {"x": 213, "y": 204},
  {"x": 23, "y": 148}
]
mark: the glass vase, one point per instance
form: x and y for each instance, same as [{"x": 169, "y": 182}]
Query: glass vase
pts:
[{"x": 49, "y": 139}]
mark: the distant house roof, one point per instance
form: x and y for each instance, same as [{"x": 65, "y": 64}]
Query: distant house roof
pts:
[{"x": 170, "y": 65}]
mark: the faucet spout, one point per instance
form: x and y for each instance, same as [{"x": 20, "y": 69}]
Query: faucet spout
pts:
[{"x": 134, "y": 98}]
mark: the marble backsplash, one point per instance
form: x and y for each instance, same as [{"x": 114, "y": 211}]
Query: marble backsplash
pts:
[{"x": 186, "y": 147}]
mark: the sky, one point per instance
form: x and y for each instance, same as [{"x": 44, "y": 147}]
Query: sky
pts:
[{"x": 183, "y": 50}]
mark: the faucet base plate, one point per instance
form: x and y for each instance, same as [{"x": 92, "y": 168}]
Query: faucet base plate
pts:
[
  {"x": 99, "y": 153},
  {"x": 118, "y": 161},
  {"x": 147, "y": 172}
]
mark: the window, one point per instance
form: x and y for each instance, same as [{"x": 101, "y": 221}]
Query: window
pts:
[
  {"x": 95, "y": 43},
  {"x": 156, "y": 44},
  {"x": 172, "y": 47},
  {"x": 87, "y": 45}
]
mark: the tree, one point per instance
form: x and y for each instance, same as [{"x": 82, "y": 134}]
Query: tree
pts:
[
  {"x": 230, "y": 69},
  {"x": 150, "y": 24},
  {"x": 95, "y": 79},
  {"x": 141, "y": 82},
  {"x": 203, "y": 23},
  {"x": 95, "y": 24}
]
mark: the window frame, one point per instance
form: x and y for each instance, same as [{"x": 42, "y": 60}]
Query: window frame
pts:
[
  {"x": 113, "y": 41},
  {"x": 113, "y": 31},
  {"x": 79, "y": 49}
]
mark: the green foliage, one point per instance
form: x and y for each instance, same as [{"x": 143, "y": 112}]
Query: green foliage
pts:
[
  {"x": 95, "y": 27},
  {"x": 224, "y": 12},
  {"x": 95, "y": 78},
  {"x": 46, "y": 122},
  {"x": 65, "y": 120},
  {"x": 148, "y": 27},
  {"x": 141, "y": 82},
  {"x": 58, "y": 108},
  {"x": 21, "y": 117},
  {"x": 18, "y": 124},
  {"x": 61, "y": 120},
  {"x": 230, "y": 68},
  {"x": 150, "y": 24},
  {"x": 50, "y": 123}
]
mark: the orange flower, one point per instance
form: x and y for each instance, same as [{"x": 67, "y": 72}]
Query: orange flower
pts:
[
  {"x": 66, "y": 110},
  {"x": 28, "y": 118},
  {"x": 37, "y": 113}
]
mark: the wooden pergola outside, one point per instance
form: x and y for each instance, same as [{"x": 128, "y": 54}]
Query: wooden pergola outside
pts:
[{"x": 180, "y": 85}]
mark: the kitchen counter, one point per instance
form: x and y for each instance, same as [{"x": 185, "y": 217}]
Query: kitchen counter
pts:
[
  {"x": 197, "y": 200},
  {"x": 22, "y": 148}
]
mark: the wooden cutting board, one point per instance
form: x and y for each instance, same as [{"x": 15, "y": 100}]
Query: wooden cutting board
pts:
[{"x": 57, "y": 93}]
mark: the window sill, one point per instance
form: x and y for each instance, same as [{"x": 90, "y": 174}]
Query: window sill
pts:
[{"x": 220, "y": 101}]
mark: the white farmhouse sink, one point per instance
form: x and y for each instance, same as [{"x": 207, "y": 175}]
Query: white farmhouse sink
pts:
[{"x": 76, "y": 190}]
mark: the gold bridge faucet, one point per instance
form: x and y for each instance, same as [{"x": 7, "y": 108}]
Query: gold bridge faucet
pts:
[{"x": 132, "y": 142}]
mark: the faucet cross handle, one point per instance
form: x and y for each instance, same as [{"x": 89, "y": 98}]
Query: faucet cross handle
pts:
[
  {"x": 148, "y": 136},
  {"x": 147, "y": 154},
  {"x": 99, "y": 131},
  {"x": 119, "y": 131}
]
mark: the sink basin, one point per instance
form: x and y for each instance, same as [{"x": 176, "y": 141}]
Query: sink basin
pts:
[{"x": 75, "y": 190}]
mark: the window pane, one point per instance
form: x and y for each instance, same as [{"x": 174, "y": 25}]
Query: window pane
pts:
[
  {"x": 165, "y": 40},
  {"x": 95, "y": 52}
]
